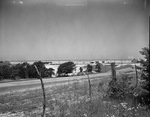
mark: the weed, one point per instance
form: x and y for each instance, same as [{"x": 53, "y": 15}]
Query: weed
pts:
[{"x": 72, "y": 100}]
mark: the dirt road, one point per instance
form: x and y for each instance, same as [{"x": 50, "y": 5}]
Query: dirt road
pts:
[
  {"x": 48, "y": 82},
  {"x": 10, "y": 87}
]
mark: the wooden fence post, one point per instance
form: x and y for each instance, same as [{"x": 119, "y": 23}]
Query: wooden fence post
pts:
[
  {"x": 43, "y": 89},
  {"x": 90, "y": 90},
  {"x": 113, "y": 71}
]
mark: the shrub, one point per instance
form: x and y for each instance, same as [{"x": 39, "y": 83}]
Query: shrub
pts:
[
  {"x": 120, "y": 89},
  {"x": 98, "y": 67},
  {"x": 89, "y": 68},
  {"x": 145, "y": 85}
]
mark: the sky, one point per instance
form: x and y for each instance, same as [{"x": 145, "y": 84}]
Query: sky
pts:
[{"x": 72, "y": 29}]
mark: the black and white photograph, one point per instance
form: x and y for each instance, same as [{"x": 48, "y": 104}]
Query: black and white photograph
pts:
[{"x": 74, "y": 58}]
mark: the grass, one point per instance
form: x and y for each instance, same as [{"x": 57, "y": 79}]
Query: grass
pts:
[
  {"x": 104, "y": 69},
  {"x": 69, "y": 101}
]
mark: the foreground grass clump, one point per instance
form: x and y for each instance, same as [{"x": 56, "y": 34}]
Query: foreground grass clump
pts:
[
  {"x": 70, "y": 100},
  {"x": 120, "y": 89}
]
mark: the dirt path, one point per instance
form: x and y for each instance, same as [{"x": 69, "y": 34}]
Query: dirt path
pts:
[
  {"x": 10, "y": 87},
  {"x": 33, "y": 84}
]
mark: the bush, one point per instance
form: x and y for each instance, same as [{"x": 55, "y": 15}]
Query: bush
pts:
[
  {"x": 42, "y": 70},
  {"x": 145, "y": 85},
  {"x": 89, "y": 68},
  {"x": 120, "y": 89},
  {"x": 98, "y": 67}
]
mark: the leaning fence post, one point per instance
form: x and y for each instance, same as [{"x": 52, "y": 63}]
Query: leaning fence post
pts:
[
  {"x": 43, "y": 89},
  {"x": 113, "y": 71},
  {"x": 90, "y": 91}
]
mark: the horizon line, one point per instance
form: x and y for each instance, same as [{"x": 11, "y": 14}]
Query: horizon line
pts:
[{"x": 67, "y": 60}]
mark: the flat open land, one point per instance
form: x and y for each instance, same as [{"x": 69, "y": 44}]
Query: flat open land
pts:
[
  {"x": 48, "y": 82},
  {"x": 8, "y": 87},
  {"x": 65, "y": 97}
]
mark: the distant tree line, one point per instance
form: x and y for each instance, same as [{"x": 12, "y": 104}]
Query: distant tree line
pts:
[
  {"x": 23, "y": 70},
  {"x": 26, "y": 70},
  {"x": 68, "y": 67}
]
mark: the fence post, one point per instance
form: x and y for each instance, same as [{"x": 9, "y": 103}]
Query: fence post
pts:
[
  {"x": 113, "y": 71},
  {"x": 90, "y": 91},
  {"x": 43, "y": 89}
]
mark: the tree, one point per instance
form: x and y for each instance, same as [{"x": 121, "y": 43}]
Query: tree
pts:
[
  {"x": 50, "y": 72},
  {"x": 65, "y": 68},
  {"x": 98, "y": 67},
  {"x": 5, "y": 71},
  {"x": 16, "y": 71},
  {"x": 81, "y": 69},
  {"x": 89, "y": 68},
  {"x": 145, "y": 72},
  {"x": 32, "y": 72},
  {"x": 145, "y": 66},
  {"x": 25, "y": 66},
  {"x": 20, "y": 70},
  {"x": 41, "y": 67}
]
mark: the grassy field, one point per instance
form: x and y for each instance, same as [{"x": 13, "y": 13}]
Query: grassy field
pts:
[{"x": 71, "y": 100}]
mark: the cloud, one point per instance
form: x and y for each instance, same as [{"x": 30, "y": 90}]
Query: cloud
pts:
[
  {"x": 17, "y": 2},
  {"x": 21, "y": 2}
]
